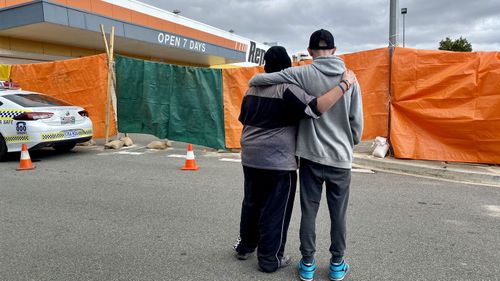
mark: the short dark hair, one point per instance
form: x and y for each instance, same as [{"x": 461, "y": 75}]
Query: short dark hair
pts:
[
  {"x": 321, "y": 40},
  {"x": 276, "y": 59}
]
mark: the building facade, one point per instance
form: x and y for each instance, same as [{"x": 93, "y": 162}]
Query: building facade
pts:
[{"x": 46, "y": 30}]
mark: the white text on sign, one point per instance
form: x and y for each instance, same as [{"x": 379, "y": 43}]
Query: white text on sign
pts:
[{"x": 181, "y": 42}]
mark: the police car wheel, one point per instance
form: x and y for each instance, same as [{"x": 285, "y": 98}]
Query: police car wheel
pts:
[
  {"x": 3, "y": 148},
  {"x": 64, "y": 147}
]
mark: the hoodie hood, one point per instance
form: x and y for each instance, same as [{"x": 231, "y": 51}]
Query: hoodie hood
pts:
[{"x": 331, "y": 65}]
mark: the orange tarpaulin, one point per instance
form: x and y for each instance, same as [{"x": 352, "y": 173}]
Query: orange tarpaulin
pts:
[
  {"x": 446, "y": 106},
  {"x": 372, "y": 70},
  {"x": 81, "y": 82},
  {"x": 235, "y": 85}
]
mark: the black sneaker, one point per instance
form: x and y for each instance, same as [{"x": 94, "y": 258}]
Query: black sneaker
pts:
[
  {"x": 238, "y": 241},
  {"x": 238, "y": 255},
  {"x": 243, "y": 256},
  {"x": 284, "y": 262}
]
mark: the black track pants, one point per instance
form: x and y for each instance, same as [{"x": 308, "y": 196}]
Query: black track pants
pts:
[{"x": 265, "y": 214}]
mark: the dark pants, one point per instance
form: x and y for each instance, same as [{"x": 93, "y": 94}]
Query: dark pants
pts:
[
  {"x": 265, "y": 214},
  {"x": 337, "y": 181}
]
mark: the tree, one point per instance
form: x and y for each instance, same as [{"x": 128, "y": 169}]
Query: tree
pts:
[{"x": 458, "y": 45}]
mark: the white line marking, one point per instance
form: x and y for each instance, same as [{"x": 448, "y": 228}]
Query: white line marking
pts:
[
  {"x": 133, "y": 147},
  {"x": 130, "y": 147},
  {"x": 158, "y": 150},
  {"x": 230, "y": 160},
  {"x": 130, "y": 153},
  {"x": 365, "y": 171},
  {"x": 124, "y": 150},
  {"x": 176, "y": 156},
  {"x": 494, "y": 210}
]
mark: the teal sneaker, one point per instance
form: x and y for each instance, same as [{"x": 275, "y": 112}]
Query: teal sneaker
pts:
[
  {"x": 338, "y": 271},
  {"x": 306, "y": 271}
]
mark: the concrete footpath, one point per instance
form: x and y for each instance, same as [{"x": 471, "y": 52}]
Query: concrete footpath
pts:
[{"x": 481, "y": 174}]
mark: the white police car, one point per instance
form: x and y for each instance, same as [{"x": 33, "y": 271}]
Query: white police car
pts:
[{"x": 38, "y": 121}]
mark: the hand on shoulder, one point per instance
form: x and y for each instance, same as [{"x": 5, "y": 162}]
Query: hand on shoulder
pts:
[{"x": 350, "y": 77}]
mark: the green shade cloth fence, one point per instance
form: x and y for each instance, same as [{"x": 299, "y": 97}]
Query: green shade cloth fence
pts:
[{"x": 175, "y": 102}]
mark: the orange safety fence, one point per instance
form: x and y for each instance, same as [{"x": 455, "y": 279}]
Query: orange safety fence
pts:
[
  {"x": 235, "y": 84},
  {"x": 371, "y": 68},
  {"x": 446, "y": 106},
  {"x": 81, "y": 82},
  {"x": 372, "y": 71}
]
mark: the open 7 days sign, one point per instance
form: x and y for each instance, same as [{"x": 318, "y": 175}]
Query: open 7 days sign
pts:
[{"x": 181, "y": 42}]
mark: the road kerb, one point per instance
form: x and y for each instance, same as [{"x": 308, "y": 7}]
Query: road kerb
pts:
[{"x": 432, "y": 169}]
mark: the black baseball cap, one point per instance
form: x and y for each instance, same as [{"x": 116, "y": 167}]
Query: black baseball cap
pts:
[
  {"x": 321, "y": 40},
  {"x": 276, "y": 59}
]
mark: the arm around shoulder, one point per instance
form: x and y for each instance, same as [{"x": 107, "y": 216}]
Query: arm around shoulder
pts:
[{"x": 267, "y": 79}]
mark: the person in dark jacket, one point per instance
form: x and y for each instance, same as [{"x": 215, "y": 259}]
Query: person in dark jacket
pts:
[{"x": 270, "y": 115}]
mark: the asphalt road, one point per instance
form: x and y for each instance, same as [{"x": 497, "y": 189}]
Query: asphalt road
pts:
[{"x": 133, "y": 215}]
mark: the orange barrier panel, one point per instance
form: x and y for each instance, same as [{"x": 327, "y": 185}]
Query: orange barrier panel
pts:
[
  {"x": 372, "y": 70},
  {"x": 81, "y": 82},
  {"x": 446, "y": 106},
  {"x": 235, "y": 83}
]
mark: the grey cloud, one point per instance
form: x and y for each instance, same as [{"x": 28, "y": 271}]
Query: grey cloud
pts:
[{"x": 356, "y": 24}]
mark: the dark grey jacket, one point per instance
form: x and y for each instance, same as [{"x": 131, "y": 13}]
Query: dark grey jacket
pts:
[{"x": 270, "y": 116}]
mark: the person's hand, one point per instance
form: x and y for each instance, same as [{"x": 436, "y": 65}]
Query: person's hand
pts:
[{"x": 349, "y": 77}]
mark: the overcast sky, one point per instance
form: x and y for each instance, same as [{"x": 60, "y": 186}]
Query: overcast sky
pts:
[{"x": 356, "y": 24}]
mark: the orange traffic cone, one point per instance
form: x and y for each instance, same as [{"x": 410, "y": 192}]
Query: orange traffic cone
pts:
[
  {"x": 25, "y": 162},
  {"x": 190, "y": 162}
]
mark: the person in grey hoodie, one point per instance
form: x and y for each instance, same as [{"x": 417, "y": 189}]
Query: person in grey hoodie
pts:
[
  {"x": 325, "y": 147},
  {"x": 270, "y": 116}
]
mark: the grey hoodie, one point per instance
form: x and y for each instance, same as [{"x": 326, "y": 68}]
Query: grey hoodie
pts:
[{"x": 330, "y": 139}]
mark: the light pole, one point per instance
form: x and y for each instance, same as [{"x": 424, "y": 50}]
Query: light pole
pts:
[
  {"x": 393, "y": 24},
  {"x": 404, "y": 11}
]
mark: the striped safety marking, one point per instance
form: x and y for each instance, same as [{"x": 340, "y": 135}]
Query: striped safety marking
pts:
[
  {"x": 53, "y": 136},
  {"x": 8, "y": 114},
  {"x": 16, "y": 139},
  {"x": 60, "y": 135}
]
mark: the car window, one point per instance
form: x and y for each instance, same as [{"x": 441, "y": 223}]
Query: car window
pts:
[{"x": 35, "y": 100}]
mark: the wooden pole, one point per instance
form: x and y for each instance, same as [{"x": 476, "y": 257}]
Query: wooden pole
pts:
[
  {"x": 111, "y": 73},
  {"x": 110, "y": 82},
  {"x": 106, "y": 125},
  {"x": 112, "y": 66},
  {"x": 104, "y": 39}
]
